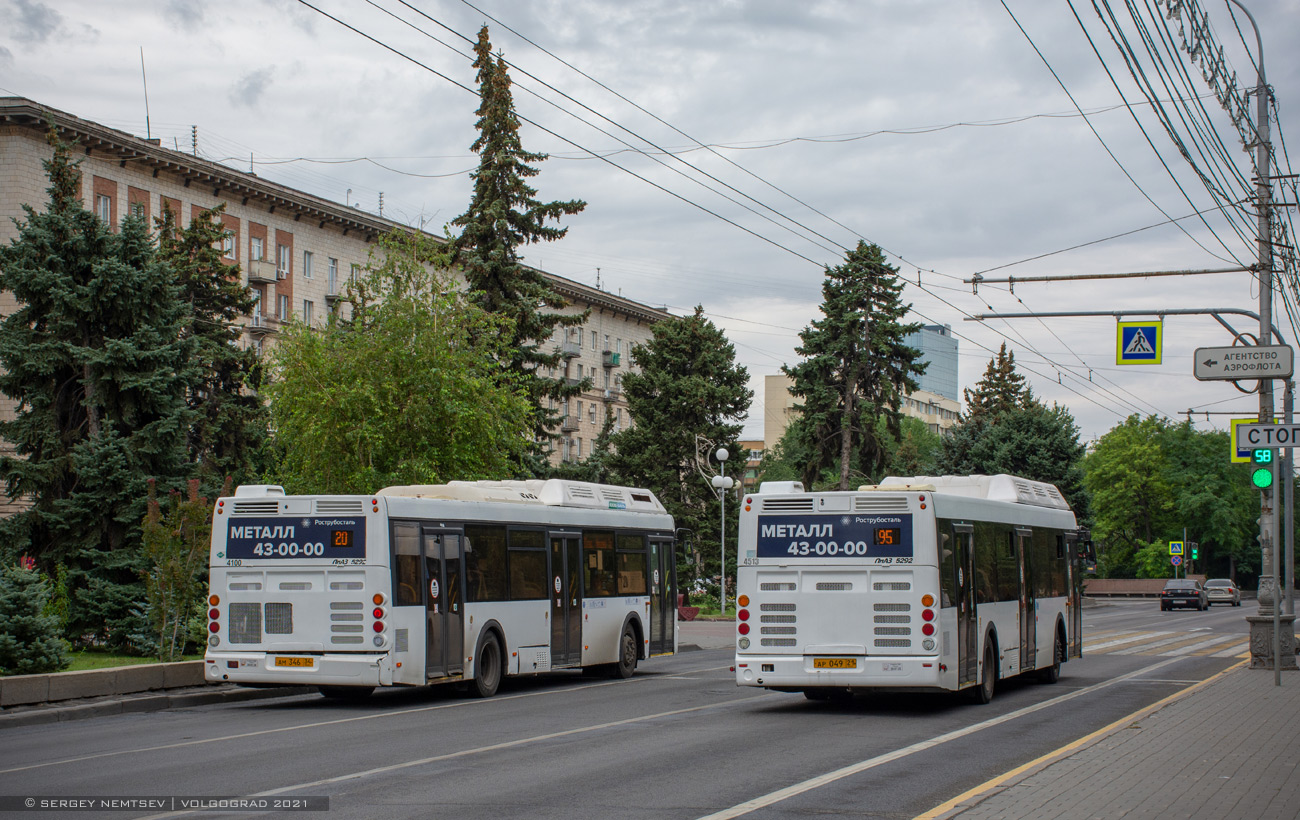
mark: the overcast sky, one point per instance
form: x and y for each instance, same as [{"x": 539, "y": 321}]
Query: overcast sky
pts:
[{"x": 933, "y": 129}]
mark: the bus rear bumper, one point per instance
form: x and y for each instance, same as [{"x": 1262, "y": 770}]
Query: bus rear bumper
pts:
[
  {"x": 274, "y": 668},
  {"x": 795, "y": 672}
]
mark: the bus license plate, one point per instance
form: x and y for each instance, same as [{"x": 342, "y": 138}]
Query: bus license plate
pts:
[
  {"x": 307, "y": 662},
  {"x": 835, "y": 663}
]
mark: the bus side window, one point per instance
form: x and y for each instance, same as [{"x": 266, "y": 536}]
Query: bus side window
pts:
[
  {"x": 631, "y": 564},
  {"x": 986, "y": 573},
  {"x": 406, "y": 564},
  {"x": 947, "y": 578},
  {"x": 486, "y": 565},
  {"x": 598, "y": 560}
]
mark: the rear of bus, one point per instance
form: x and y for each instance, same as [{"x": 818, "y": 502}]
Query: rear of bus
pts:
[
  {"x": 299, "y": 590},
  {"x": 837, "y": 590}
]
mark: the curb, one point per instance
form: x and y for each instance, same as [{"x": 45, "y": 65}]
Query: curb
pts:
[{"x": 146, "y": 702}]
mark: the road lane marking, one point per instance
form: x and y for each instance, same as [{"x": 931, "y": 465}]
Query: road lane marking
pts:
[
  {"x": 495, "y": 747},
  {"x": 796, "y": 789},
  {"x": 1187, "y": 650},
  {"x": 1067, "y": 749},
  {"x": 1136, "y": 636},
  {"x": 337, "y": 721},
  {"x": 1233, "y": 651},
  {"x": 1180, "y": 638}
]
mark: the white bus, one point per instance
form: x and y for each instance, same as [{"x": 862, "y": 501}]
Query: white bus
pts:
[
  {"x": 459, "y": 582},
  {"x": 932, "y": 583}
]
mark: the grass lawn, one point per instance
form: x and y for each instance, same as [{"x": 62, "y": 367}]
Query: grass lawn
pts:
[{"x": 103, "y": 659}]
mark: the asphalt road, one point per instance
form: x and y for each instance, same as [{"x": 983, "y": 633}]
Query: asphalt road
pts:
[{"x": 679, "y": 740}]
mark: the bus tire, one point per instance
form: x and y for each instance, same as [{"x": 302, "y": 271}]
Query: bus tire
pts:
[
  {"x": 1052, "y": 674},
  {"x": 627, "y": 655},
  {"x": 983, "y": 693},
  {"x": 487, "y": 667},
  {"x": 346, "y": 692}
]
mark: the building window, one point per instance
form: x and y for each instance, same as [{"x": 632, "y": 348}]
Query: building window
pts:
[
  {"x": 607, "y": 347},
  {"x": 282, "y": 309},
  {"x": 306, "y": 264},
  {"x": 256, "y": 248},
  {"x": 591, "y": 412},
  {"x": 579, "y": 411},
  {"x": 577, "y": 442},
  {"x": 593, "y": 340},
  {"x": 137, "y": 209},
  {"x": 307, "y": 310},
  {"x": 618, "y": 345},
  {"x": 282, "y": 261},
  {"x": 104, "y": 207},
  {"x": 228, "y": 245},
  {"x": 257, "y": 305},
  {"x": 333, "y": 280},
  {"x": 579, "y": 331},
  {"x": 355, "y": 274}
]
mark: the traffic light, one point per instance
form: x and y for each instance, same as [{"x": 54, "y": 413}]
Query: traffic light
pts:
[
  {"x": 1195, "y": 549},
  {"x": 1261, "y": 470}
]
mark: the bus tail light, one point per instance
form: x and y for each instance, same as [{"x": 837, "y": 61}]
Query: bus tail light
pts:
[
  {"x": 378, "y": 613},
  {"x": 926, "y": 614},
  {"x": 743, "y": 629},
  {"x": 743, "y": 614},
  {"x": 927, "y": 629},
  {"x": 743, "y": 600},
  {"x": 379, "y": 626},
  {"x": 379, "y": 599},
  {"x": 213, "y": 600},
  {"x": 927, "y": 600},
  {"x": 214, "y": 626}
]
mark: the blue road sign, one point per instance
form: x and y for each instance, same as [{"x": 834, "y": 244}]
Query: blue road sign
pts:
[
  {"x": 1175, "y": 547},
  {"x": 1139, "y": 342},
  {"x": 1175, "y": 559}
]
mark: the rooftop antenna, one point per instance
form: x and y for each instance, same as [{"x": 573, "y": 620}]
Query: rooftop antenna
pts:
[
  {"x": 148, "y": 132},
  {"x": 597, "y": 278}
]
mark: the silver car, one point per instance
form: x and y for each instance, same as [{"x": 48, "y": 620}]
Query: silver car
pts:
[{"x": 1222, "y": 591}]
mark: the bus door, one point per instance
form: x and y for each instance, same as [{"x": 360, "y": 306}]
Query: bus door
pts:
[
  {"x": 1073, "y": 586},
  {"x": 444, "y": 597},
  {"x": 663, "y": 595},
  {"x": 1028, "y": 603},
  {"x": 963, "y": 558},
  {"x": 566, "y": 600}
]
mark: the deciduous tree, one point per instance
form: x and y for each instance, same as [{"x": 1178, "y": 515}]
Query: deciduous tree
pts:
[{"x": 411, "y": 390}]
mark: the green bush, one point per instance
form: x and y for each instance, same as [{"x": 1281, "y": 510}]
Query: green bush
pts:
[{"x": 29, "y": 634}]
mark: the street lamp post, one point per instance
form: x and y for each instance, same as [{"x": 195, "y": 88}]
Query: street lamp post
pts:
[{"x": 721, "y": 483}]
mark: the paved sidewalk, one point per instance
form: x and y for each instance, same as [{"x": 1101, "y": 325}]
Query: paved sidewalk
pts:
[{"x": 1227, "y": 748}]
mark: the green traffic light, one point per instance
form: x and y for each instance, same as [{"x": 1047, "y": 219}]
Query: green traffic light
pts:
[{"x": 1262, "y": 477}]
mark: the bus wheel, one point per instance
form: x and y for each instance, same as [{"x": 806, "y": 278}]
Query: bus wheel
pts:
[
  {"x": 627, "y": 653},
  {"x": 346, "y": 692},
  {"x": 1052, "y": 674},
  {"x": 988, "y": 678},
  {"x": 487, "y": 668}
]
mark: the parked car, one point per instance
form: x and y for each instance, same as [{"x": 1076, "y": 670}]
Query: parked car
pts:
[
  {"x": 1222, "y": 591},
  {"x": 1183, "y": 592}
]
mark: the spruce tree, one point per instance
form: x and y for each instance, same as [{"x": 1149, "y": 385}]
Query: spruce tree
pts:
[
  {"x": 1000, "y": 389},
  {"x": 228, "y": 437},
  {"x": 856, "y": 370},
  {"x": 97, "y": 360},
  {"x": 504, "y": 214},
  {"x": 29, "y": 633},
  {"x": 689, "y": 390}
]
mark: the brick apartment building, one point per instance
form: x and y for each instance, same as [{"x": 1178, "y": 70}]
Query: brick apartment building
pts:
[{"x": 295, "y": 250}]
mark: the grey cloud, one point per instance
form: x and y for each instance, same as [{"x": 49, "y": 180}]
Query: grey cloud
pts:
[
  {"x": 250, "y": 87},
  {"x": 188, "y": 14},
  {"x": 6, "y": 58},
  {"x": 36, "y": 21}
]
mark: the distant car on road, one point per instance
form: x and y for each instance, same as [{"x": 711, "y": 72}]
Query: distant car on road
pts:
[
  {"x": 1183, "y": 592},
  {"x": 1222, "y": 591}
]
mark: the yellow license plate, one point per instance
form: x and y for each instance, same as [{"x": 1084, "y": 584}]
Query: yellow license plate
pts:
[
  {"x": 835, "y": 663},
  {"x": 307, "y": 662}
]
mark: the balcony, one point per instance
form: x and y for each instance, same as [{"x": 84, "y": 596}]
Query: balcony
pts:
[
  {"x": 330, "y": 299},
  {"x": 609, "y": 358},
  {"x": 571, "y": 382},
  {"x": 261, "y": 272},
  {"x": 611, "y": 394},
  {"x": 568, "y": 424},
  {"x": 259, "y": 325},
  {"x": 570, "y": 349}
]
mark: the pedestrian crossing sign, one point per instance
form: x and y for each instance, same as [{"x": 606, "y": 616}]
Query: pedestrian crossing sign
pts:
[{"x": 1139, "y": 342}]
